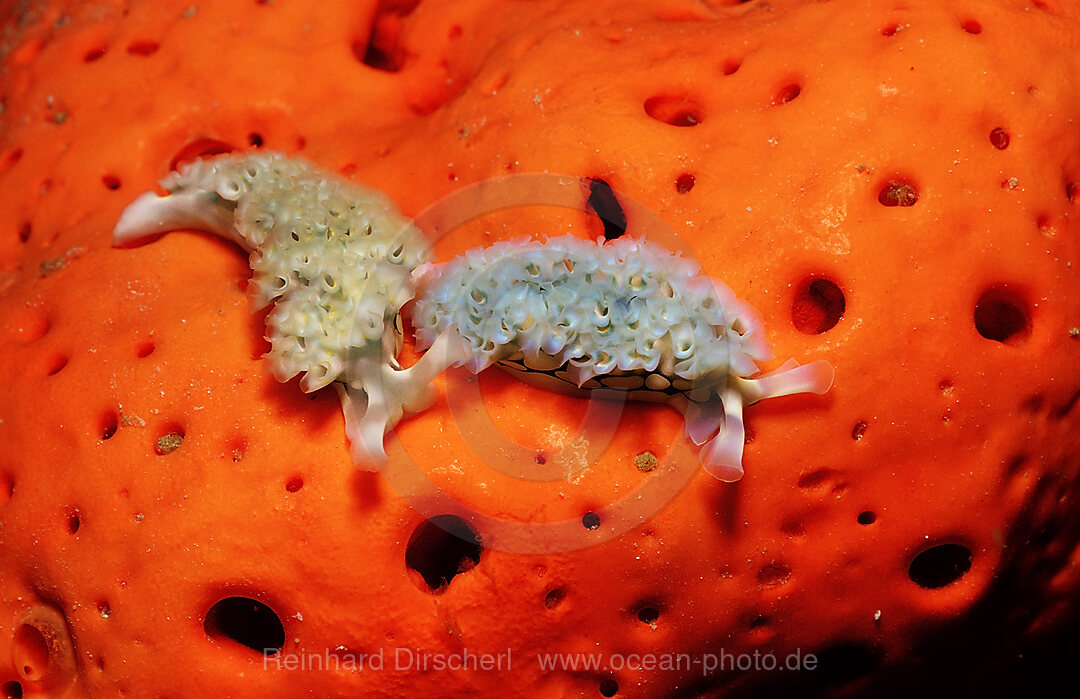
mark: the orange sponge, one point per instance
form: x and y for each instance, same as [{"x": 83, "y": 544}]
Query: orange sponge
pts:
[{"x": 893, "y": 187}]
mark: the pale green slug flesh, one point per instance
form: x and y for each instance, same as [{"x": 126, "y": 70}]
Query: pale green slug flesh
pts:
[
  {"x": 626, "y": 317},
  {"x": 334, "y": 258}
]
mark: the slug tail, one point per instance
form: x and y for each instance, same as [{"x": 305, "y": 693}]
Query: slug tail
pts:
[
  {"x": 791, "y": 378},
  {"x": 704, "y": 419},
  {"x": 379, "y": 395},
  {"x": 722, "y": 456},
  {"x": 365, "y": 424},
  {"x": 189, "y": 209}
]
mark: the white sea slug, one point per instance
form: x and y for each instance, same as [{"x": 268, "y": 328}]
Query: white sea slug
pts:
[
  {"x": 628, "y": 316},
  {"x": 336, "y": 258}
]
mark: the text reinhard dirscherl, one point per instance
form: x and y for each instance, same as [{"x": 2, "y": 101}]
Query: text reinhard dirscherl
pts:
[{"x": 415, "y": 659}]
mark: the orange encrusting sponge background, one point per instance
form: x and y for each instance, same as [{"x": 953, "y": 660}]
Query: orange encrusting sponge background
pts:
[{"x": 894, "y": 188}]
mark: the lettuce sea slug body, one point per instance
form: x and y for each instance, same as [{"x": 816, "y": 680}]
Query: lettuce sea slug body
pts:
[
  {"x": 627, "y": 316},
  {"x": 336, "y": 259},
  {"x": 339, "y": 262}
]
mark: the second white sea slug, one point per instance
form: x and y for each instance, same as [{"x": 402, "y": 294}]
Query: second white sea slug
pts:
[
  {"x": 335, "y": 259},
  {"x": 627, "y": 317}
]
